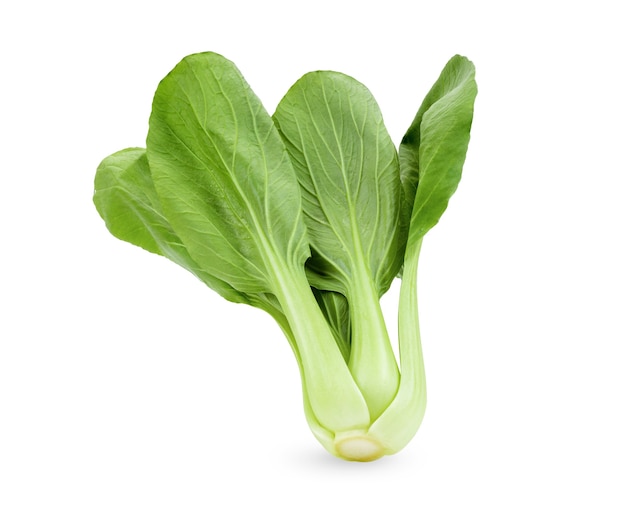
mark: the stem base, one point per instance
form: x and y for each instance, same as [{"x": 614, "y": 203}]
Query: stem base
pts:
[{"x": 358, "y": 446}]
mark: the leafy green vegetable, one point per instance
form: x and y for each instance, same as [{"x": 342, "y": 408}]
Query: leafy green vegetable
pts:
[{"x": 308, "y": 215}]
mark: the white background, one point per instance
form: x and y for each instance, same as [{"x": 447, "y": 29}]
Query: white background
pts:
[{"x": 129, "y": 391}]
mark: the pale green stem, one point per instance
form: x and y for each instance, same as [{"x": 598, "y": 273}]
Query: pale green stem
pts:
[
  {"x": 372, "y": 361},
  {"x": 399, "y": 423},
  {"x": 334, "y": 397}
]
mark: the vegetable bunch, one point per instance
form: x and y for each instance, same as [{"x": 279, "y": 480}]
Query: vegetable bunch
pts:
[{"x": 308, "y": 214}]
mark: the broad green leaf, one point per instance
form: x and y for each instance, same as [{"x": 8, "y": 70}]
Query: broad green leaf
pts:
[
  {"x": 223, "y": 175},
  {"x": 432, "y": 154},
  {"x": 433, "y": 150},
  {"x": 348, "y": 169},
  {"x": 127, "y": 201}
]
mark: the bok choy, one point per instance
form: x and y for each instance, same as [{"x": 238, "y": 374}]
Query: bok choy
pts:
[{"x": 308, "y": 214}]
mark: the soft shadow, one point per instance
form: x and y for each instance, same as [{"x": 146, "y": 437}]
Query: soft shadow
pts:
[{"x": 316, "y": 458}]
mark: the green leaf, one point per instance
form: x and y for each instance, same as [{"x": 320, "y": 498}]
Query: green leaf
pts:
[
  {"x": 432, "y": 154},
  {"x": 223, "y": 175},
  {"x": 348, "y": 169},
  {"x": 433, "y": 150},
  {"x": 127, "y": 201}
]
